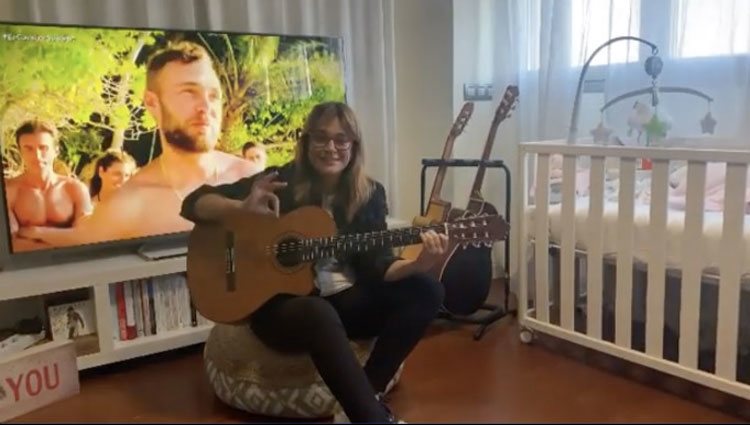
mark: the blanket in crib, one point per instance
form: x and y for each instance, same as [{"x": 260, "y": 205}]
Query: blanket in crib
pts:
[{"x": 714, "y": 191}]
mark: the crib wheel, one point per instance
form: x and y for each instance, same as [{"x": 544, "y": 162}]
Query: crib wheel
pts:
[{"x": 526, "y": 335}]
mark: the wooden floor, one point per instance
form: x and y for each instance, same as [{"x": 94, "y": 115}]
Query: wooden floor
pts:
[{"x": 449, "y": 378}]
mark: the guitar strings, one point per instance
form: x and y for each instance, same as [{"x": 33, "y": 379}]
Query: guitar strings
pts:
[
  {"x": 331, "y": 240},
  {"x": 344, "y": 241},
  {"x": 315, "y": 246}
]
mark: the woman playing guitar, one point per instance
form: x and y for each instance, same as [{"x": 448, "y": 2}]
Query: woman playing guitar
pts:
[{"x": 368, "y": 294}]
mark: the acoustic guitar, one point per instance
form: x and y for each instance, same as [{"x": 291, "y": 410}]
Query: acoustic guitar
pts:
[
  {"x": 234, "y": 268},
  {"x": 467, "y": 273},
  {"x": 438, "y": 208}
]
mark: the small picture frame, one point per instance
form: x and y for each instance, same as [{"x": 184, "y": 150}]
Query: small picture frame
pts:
[{"x": 71, "y": 320}]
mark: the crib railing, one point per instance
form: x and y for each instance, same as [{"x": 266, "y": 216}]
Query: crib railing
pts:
[{"x": 534, "y": 255}]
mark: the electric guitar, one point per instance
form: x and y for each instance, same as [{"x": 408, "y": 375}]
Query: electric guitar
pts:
[
  {"x": 234, "y": 268},
  {"x": 467, "y": 273}
]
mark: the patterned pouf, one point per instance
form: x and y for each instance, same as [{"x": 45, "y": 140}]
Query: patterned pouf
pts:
[{"x": 248, "y": 375}]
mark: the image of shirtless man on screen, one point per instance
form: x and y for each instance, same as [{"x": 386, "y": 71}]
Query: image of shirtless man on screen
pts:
[
  {"x": 184, "y": 95},
  {"x": 39, "y": 196}
]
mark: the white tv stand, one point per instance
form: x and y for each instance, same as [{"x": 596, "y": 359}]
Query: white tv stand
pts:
[{"x": 98, "y": 274}]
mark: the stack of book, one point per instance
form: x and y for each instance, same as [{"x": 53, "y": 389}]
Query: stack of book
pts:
[{"x": 153, "y": 306}]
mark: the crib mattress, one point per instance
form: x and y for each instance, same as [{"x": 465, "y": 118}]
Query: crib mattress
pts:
[{"x": 709, "y": 246}]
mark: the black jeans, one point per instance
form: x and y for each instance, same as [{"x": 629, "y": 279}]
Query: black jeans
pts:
[{"x": 397, "y": 313}]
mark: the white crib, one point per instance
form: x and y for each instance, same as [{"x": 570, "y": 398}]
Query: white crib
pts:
[{"x": 580, "y": 257}]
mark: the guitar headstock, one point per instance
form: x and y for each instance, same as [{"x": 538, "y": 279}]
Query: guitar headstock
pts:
[
  {"x": 507, "y": 104},
  {"x": 462, "y": 119},
  {"x": 481, "y": 229}
]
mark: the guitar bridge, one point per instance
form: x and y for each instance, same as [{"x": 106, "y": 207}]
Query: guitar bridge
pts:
[{"x": 229, "y": 259}]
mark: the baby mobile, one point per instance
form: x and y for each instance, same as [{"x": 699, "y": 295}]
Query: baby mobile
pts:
[{"x": 650, "y": 123}]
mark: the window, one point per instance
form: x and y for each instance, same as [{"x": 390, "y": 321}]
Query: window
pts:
[
  {"x": 681, "y": 29},
  {"x": 701, "y": 28},
  {"x": 593, "y": 22}
]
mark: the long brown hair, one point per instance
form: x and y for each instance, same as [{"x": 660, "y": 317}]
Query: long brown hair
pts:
[
  {"x": 106, "y": 160},
  {"x": 355, "y": 187}
]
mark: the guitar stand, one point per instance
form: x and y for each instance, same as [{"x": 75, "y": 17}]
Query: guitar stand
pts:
[{"x": 495, "y": 312}]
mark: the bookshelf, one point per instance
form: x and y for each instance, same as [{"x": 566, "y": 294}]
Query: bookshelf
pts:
[
  {"x": 94, "y": 276},
  {"x": 23, "y": 292},
  {"x": 97, "y": 279}
]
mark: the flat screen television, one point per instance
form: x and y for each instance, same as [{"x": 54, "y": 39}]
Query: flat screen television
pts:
[{"x": 106, "y": 130}]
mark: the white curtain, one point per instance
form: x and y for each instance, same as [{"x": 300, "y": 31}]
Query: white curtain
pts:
[
  {"x": 365, "y": 26},
  {"x": 704, "y": 45}
]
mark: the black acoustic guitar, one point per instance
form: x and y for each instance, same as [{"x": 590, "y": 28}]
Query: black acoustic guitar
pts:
[{"x": 467, "y": 273}]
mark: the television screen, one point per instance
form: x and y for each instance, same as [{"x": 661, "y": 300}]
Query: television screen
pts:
[{"x": 106, "y": 130}]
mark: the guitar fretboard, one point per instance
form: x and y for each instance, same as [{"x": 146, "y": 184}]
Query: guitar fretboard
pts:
[{"x": 312, "y": 249}]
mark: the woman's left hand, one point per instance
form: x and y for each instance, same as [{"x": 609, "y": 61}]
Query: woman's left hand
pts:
[{"x": 434, "y": 246}]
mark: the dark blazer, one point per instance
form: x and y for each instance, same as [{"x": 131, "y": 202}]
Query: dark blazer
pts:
[{"x": 369, "y": 266}]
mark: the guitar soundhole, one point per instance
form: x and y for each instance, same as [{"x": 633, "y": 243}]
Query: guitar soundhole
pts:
[{"x": 288, "y": 252}]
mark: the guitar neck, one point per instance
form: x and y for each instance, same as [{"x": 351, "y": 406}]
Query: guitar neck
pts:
[
  {"x": 476, "y": 188},
  {"x": 501, "y": 113},
  {"x": 437, "y": 186},
  {"x": 312, "y": 249},
  {"x": 457, "y": 128}
]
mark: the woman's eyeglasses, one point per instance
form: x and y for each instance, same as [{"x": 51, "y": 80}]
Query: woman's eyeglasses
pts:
[{"x": 320, "y": 139}]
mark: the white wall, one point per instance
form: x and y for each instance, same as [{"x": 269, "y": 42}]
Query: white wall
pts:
[{"x": 424, "y": 98}]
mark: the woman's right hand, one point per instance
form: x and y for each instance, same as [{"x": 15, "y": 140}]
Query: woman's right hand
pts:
[{"x": 262, "y": 199}]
